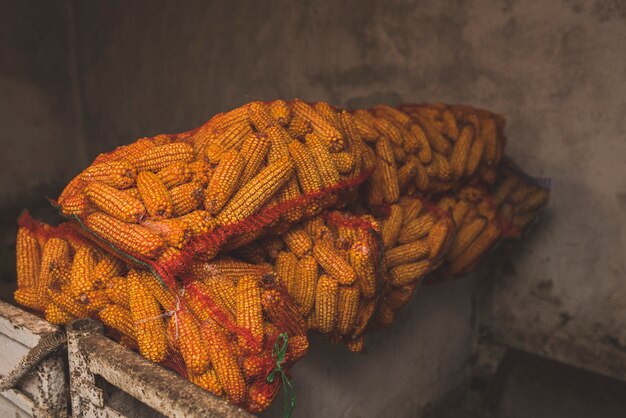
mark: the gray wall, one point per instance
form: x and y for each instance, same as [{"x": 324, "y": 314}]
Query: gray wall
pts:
[{"x": 556, "y": 69}]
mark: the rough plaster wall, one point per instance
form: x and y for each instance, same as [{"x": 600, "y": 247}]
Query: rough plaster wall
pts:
[{"x": 39, "y": 149}]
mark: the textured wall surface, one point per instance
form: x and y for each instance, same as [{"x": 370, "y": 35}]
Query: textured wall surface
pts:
[{"x": 555, "y": 68}]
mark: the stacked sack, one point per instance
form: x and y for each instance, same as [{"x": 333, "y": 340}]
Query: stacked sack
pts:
[
  {"x": 218, "y": 328},
  {"x": 271, "y": 220}
]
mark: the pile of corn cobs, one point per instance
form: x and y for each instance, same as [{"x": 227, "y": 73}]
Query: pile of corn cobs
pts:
[{"x": 207, "y": 250}]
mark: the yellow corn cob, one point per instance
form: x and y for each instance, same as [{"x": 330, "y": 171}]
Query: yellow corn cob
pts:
[
  {"x": 305, "y": 284},
  {"x": 323, "y": 161},
  {"x": 159, "y": 157},
  {"x": 260, "y": 116},
  {"x": 133, "y": 192},
  {"x": 354, "y": 160},
  {"x": 147, "y": 318},
  {"x": 459, "y": 210},
  {"x": 363, "y": 316},
  {"x": 306, "y": 171},
  {"x": 534, "y": 200},
  {"x": 229, "y": 267},
  {"x": 422, "y": 180},
  {"x": 348, "y": 304},
  {"x": 233, "y": 136},
  {"x": 416, "y": 229},
  {"x": 388, "y": 182},
  {"x": 224, "y": 361},
  {"x": 475, "y": 250},
  {"x": 203, "y": 297},
  {"x": 324, "y": 129},
  {"x": 130, "y": 238},
  {"x": 446, "y": 203},
  {"x": 287, "y": 270},
  {"x": 385, "y": 315},
  {"x": 298, "y": 241},
  {"x": 223, "y": 120},
  {"x": 224, "y": 291},
  {"x": 332, "y": 261},
  {"x": 425, "y": 153},
  {"x": 390, "y": 228},
  {"x": 207, "y": 381},
  {"x": 408, "y": 273},
  {"x": 117, "y": 291},
  {"x": 224, "y": 182},
  {"x": 437, "y": 237},
  {"x": 406, "y": 174},
  {"x": 393, "y": 114},
  {"x": 364, "y": 122},
  {"x": 328, "y": 113},
  {"x": 475, "y": 156},
  {"x": 56, "y": 315},
  {"x": 298, "y": 346},
  {"x": 184, "y": 330},
  {"x": 400, "y": 155},
  {"x": 186, "y": 197},
  {"x": 280, "y": 111},
  {"x": 344, "y": 162},
  {"x": 115, "y": 202},
  {"x": 326, "y": 297},
  {"x": 451, "y": 127},
  {"x": 356, "y": 345},
  {"x": 28, "y": 255},
  {"x": 154, "y": 195},
  {"x": 66, "y": 301},
  {"x": 59, "y": 274},
  {"x": 254, "y": 194},
  {"x": 107, "y": 267},
  {"x": 400, "y": 296},
  {"x": 412, "y": 208},
  {"x": 175, "y": 232},
  {"x": 435, "y": 138},
  {"x": 117, "y": 174},
  {"x": 388, "y": 131},
  {"x": 461, "y": 152},
  {"x": 175, "y": 174},
  {"x": 253, "y": 152},
  {"x": 504, "y": 189},
  {"x": 94, "y": 300},
  {"x": 384, "y": 150},
  {"x": 29, "y": 297},
  {"x": 81, "y": 275},
  {"x": 76, "y": 204},
  {"x": 489, "y": 134},
  {"x": 198, "y": 222},
  {"x": 465, "y": 237},
  {"x": 364, "y": 265},
  {"x": 201, "y": 172},
  {"x": 298, "y": 127},
  {"x": 440, "y": 168},
  {"x": 165, "y": 296},
  {"x": 56, "y": 253},
  {"x": 119, "y": 318},
  {"x": 249, "y": 313},
  {"x": 407, "y": 253}
]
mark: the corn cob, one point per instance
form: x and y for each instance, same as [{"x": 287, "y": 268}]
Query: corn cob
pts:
[
  {"x": 231, "y": 268},
  {"x": 261, "y": 394},
  {"x": 81, "y": 277},
  {"x": 472, "y": 253},
  {"x": 408, "y": 273},
  {"x": 356, "y": 345},
  {"x": 129, "y": 238},
  {"x": 115, "y": 202},
  {"x": 536, "y": 199},
  {"x": 55, "y": 315},
  {"x": 206, "y": 301},
  {"x": 254, "y": 194},
  {"x": 280, "y": 111},
  {"x": 207, "y": 381},
  {"x": 437, "y": 238},
  {"x": 451, "y": 127},
  {"x": 504, "y": 189},
  {"x": 198, "y": 222},
  {"x": 224, "y": 181},
  {"x": 185, "y": 330},
  {"x": 175, "y": 232},
  {"x": 465, "y": 237},
  {"x": 363, "y": 316},
  {"x": 305, "y": 285},
  {"x": 422, "y": 180},
  {"x": 412, "y": 208},
  {"x": 489, "y": 135},
  {"x": 281, "y": 311},
  {"x": 393, "y": 114},
  {"x": 344, "y": 162},
  {"x": 326, "y": 297},
  {"x": 147, "y": 318},
  {"x": 154, "y": 195},
  {"x": 416, "y": 229},
  {"x": 298, "y": 346},
  {"x": 287, "y": 270},
  {"x": 298, "y": 241},
  {"x": 425, "y": 153},
  {"x": 260, "y": 116},
  {"x": 106, "y": 268},
  {"x": 406, "y": 174},
  {"x": 348, "y": 304},
  {"x": 327, "y": 112},
  {"x": 226, "y": 119},
  {"x": 388, "y": 131},
  {"x": 333, "y": 263},
  {"x": 364, "y": 122},
  {"x": 117, "y": 174},
  {"x": 75, "y": 204},
  {"x": 356, "y": 147},
  {"x": 298, "y": 127},
  {"x": 175, "y": 174},
  {"x": 94, "y": 300},
  {"x": 224, "y": 361},
  {"x": 201, "y": 172},
  {"x": 391, "y": 227},
  {"x": 461, "y": 152},
  {"x": 323, "y": 161},
  {"x": 249, "y": 313},
  {"x": 117, "y": 291},
  {"x": 385, "y": 314},
  {"x": 29, "y": 297},
  {"x": 407, "y": 253},
  {"x": 159, "y": 157},
  {"x": 64, "y": 299},
  {"x": 186, "y": 197},
  {"x": 253, "y": 152},
  {"x": 475, "y": 156},
  {"x": 28, "y": 255},
  {"x": 324, "y": 129},
  {"x": 306, "y": 171},
  {"x": 400, "y": 296},
  {"x": 233, "y": 136},
  {"x": 459, "y": 210},
  {"x": 364, "y": 265}
]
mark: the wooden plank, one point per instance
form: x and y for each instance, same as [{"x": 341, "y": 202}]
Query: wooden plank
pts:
[
  {"x": 14, "y": 403},
  {"x": 22, "y": 326}
]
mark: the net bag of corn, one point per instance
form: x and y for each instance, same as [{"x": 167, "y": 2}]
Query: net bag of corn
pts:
[
  {"x": 520, "y": 199},
  {"x": 264, "y": 166},
  {"x": 331, "y": 266},
  {"x": 416, "y": 236},
  {"x": 421, "y": 149},
  {"x": 229, "y": 327}
]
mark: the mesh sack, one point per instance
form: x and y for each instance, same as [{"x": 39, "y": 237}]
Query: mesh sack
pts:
[
  {"x": 416, "y": 236},
  {"x": 331, "y": 266},
  {"x": 421, "y": 149},
  {"x": 520, "y": 199},
  {"x": 227, "y": 327},
  {"x": 163, "y": 200}
]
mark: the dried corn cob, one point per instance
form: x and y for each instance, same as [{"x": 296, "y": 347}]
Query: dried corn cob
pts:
[
  {"x": 407, "y": 253},
  {"x": 390, "y": 228},
  {"x": 175, "y": 174},
  {"x": 437, "y": 238},
  {"x": 56, "y": 315},
  {"x": 471, "y": 255},
  {"x": 298, "y": 241},
  {"x": 115, "y": 202},
  {"x": 306, "y": 171},
  {"x": 326, "y": 297},
  {"x": 224, "y": 182},
  {"x": 287, "y": 270},
  {"x": 83, "y": 265},
  {"x": 186, "y": 197},
  {"x": 306, "y": 283},
  {"x": 348, "y": 304},
  {"x": 117, "y": 291},
  {"x": 334, "y": 264},
  {"x": 323, "y": 161},
  {"x": 154, "y": 195},
  {"x": 408, "y": 273},
  {"x": 253, "y": 152},
  {"x": 157, "y": 158},
  {"x": 280, "y": 111},
  {"x": 323, "y": 128},
  {"x": 185, "y": 330},
  {"x": 466, "y": 235},
  {"x": 416, "y": 229},
  {"x": 260, "y": 116},
  {"x": 28, "y": 256},
  {"x": 364, "y": 265},
  {"x": 249, "y": 312},
  {"x": 175, "y": 232},
  {"x": 461, "y": 152},
  {"x": 207, "y": 381},
  {"x": 65, "y": 300},
  {"x": 117, "y": 174}
]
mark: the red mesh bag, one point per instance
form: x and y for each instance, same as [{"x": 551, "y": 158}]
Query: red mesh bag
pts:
[
  {"x": 229, "y": 327},
  {"x": 163, "y": 200},
  {"x": 331, "y": 265}
]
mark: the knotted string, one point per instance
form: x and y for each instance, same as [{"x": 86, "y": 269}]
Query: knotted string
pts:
[{"x": 280, "y": 351}]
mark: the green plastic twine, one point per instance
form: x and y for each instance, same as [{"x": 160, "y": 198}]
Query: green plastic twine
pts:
[{"x": 280, "y": 351}]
